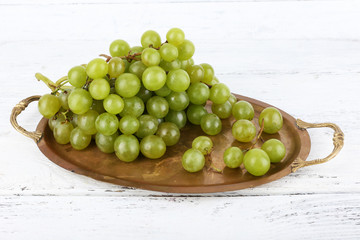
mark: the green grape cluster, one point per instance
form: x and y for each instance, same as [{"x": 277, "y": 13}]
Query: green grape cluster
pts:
[{"x": 137, "y": 99}]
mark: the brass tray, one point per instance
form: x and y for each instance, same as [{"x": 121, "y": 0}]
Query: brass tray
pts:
[{"x": 167, "y": 174}]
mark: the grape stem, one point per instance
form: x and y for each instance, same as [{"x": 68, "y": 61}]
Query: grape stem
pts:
[
  {"x": 211, "y": 166},
  {"x": 258, "y": 136},
  {"x": 128, "y": 57},
  {"x": 47, "y": 81}
]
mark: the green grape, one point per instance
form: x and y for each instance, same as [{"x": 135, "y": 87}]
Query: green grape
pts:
[
  {"x": 98, "y": 106},
  {"x": 214, "y": 81},
  {"x": 136, "y": 49},
  {"x": 77, "y": 76},
  {"x": 208, "y": 73},
  {"x": 186, "y": 50},
  {"x": 196, "y": 73},
  {"x": 144, "y": 94},
  {"x": 152, "y": 147},
  {"x": 106, "y": 143},
  {"x": 116, "y": 67},
  {"x": 133, "y": 106},
  {"x": 222, "y": 110},
  {"x": 243, "y": 130},
  {"x": 275, "y": 149},
  {"x": 168, "y": 66},
  {"x": 195, "y": 113},
  {"x": 97, "y": 68},
  {"x": 129, "y": 125},
  {"x": 119, "y": 48},
  {"x": 86, "y": 122},
  {"x": 169, "y": 132},
  {"x": 62, "y": 132},
  {"x": 154, "y": 78},
  {"x": 193, "y": 160},
  {"x": 211, "y": 124},
  {"x": 177, "y": 117},
  {"x": 219, "y": 93},
  {"x": 49, "y": 105},
  {"x": 175, "y": 36},
  {"x": 256, "y": 162},
  {"x": 127, "y": 85},
  {"x": 99, "y": 88},
  {"x": 107, "y": 124},
  {"x": 157, "y": 107},
  {"x": 63, "y": 97},
  {"x": 53, "y": 121},
  {"x": 232, "y": 99},
  {"x": 163, "y": 92},
  {"x": 73, "y": 119},
  {"x": 273, "y": 120},
  {"x": 178, "y": 101},
  {"x": 150, "y": 37},
  {"x": 168, "y": 52},
  {"x": 78, "y": 139},
  {"x": 198, "y": 93},
  {"x": 203, "y": 144},
  {"x": 114, "y": 104},
  {"x": 150, "y": 57},
  {"x": 137, "y": 68},
  {"x": 127, "y": 148},
  {"x": 233, "y": 157},
  {"x": 148, "y": 126},
  {"x": 186, "y": 63},
  {"x": 127, "y": 65},
  {"x": 178, "y": 80},
  {"x": 243, "y": 110}
]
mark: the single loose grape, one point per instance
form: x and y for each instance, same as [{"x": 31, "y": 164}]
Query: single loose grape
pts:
[
  {"x": 219, "y": 93},
  {"x": 275, "y": 149},
  {"x": 243, "y": 110},
  {"x": 127, "y": 148},
  {"x": 169, "y": 132},
  {"x": 80, "y": 101},
  {"x": 133, "y": 106},
  {"x": 97, "y": 68},
  {"x": 157, "y": 107},
  {"x": 78, "y": 139},
  {"x": 63, "y": 97},
  {"x": 273, "y": 120},
  {"x": 186, "y": 50},
  {"x": 148, "y": 126},
  {"x": 150, "y": 57},
  {"x": 195, "y": 113},
  {"x": 144, "y": 94},
  {"x": 211, "y": 124},
  {"x": 77, "y": 76},
  {"x": 203, "y": 144},
  {"x": 119, "y": 48},
  {"x": 243, "y": 130},
  {"x": 232, "y": 99},
  {"x": 178, "y": 80},
  {"x": 150, "y": 37},
  {"x": 163, "y": 92},
  {"x": 233, "y": 157},
  {"x": 178, "y": 101},
  {"x": 222, "y": 110},
  {"x": 116, "y": 67},
  {"x": 177, "y": 117},
  {"x": 193, "y": 160},
  {"x": 49, "y": 105},
  {"x": 62, "y": 132},
  {"x": 168, "y": 66},
  {"x": 154, "y": 78},
  {"x": 98, "y": 106},
  {"x": 106, "y": 143},
  {"x": 127, "y": 85},
  {"x": 198, "y": 93},
  {"x": 107, "y": 124},
  {"x": 175, "y": 36},
  {"x": 86, "y": 122},
  {"x": 129, "y": 125},
  {"x": 152, "y": 147},
  {"x": 208, "y": 73},
  {"x": 256, "y": 162},
  {"x": 137, "y": 68},
  {"x": 168, "y": 52},
  {"x": 114, "y": 104},
  {"x": 99, "y": 88},
  {"x": 196, "y": 73}
]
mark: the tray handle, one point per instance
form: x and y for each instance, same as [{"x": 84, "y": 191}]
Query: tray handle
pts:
[
  {"x": 36, "y": 136},
  {"x": 338, "y": 141}
]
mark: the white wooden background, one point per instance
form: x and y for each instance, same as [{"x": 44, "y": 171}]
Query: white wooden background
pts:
[{"x": 301, "y": 56}]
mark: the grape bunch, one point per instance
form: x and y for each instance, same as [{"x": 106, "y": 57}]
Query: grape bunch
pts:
[{"x": 137, "y": 100}]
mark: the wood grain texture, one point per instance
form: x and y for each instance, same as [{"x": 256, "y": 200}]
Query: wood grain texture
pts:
[{"x": 274, "y": 51}]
